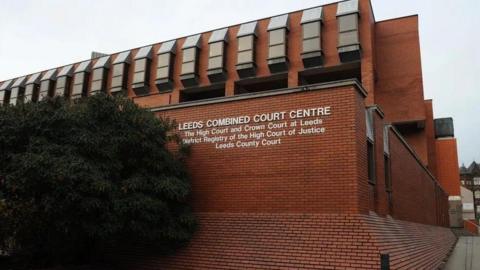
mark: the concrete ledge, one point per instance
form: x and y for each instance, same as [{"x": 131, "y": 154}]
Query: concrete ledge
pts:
[{"x": 276, "y": 92}]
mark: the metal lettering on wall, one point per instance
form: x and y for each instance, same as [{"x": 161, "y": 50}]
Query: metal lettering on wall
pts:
[{"x": 247, "y": 131}]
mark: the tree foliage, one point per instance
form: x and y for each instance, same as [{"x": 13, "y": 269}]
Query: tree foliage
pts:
[{"x": 97, "y": 173}]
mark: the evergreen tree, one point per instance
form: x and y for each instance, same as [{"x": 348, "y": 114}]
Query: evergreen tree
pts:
[{"x": 101, "y": 172}]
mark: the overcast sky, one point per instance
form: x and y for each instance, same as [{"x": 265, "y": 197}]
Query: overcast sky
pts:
[{"x": 38, "y": 35}]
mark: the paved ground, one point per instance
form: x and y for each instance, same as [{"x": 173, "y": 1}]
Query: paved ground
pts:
[{"x": 465, "y": 255}]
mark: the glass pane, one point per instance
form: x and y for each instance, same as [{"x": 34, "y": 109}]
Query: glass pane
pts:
[
  {"x": 117, "y": 70},
  {"x": 311, "y": 45},
  {"x": 61, "y": 82},
  {"x": 14, "y": 93},
  {"x": 140, "y": 64},
  {"x": 162, "y": 72},
  {"x": 29, "y": 89},
  {"x": 44, "y": 86},
  {"x": 215, "y": 62},
  {"x": 188, "y": 68},
  {"x": 311, "y": 30},
  {"x": 277, "y": 36},
  {"x": 77, "y": 89},
  {"x": 139, "y": 77},
  {"x": 347, "y": 23},
  {"x": 117, "y": 81},
  {"x": 96, "y": 86},
  {"x": 163, "y": 59},
  {"x": 189, "y": 55},
  {"x": 276, "y": 51},
  {"x": 79, "y": 77},
  {"x": 245, "y": 43},
  {"x": 245, "y": 57},
  {"x": 216, "y": 49},
  {"x": 97, "y": 74},
  {"x": 348, "y": 38}
]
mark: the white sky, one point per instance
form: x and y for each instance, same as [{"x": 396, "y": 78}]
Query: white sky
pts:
[{"x": 37, "y": 35}]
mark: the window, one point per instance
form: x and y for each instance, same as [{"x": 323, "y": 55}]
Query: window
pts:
[
  {"x": 477, "y": 194},
  {"x": 246, "y": 39},
  {"x": 348, "y": 38},
  {"x": 120, "y": 73},
  {"x": 32, "y": 88},
  {"x": 80, "y": 81},
  {"x": 63, "y": 86},
  {"x": 190, "y": 51},
  {"x": 141, "y": 77},
  {"x": 476, "y": 181},
  {"x": 118, "y": 78},
  {"x": 165, "y": 63},
  {"x": 277, "y": 44},
  {"x": 98, "y": 80},
  {"x": 190, "y": 54},
  {"x": 31, "y": 92},
  {"x": 45, "y": 89},
  {"x": 371, "y": 162}
]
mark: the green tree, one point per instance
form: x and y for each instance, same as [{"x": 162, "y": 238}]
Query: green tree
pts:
[{"x": 101, "y": 172}]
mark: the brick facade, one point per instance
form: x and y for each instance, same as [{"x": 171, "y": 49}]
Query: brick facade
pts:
[{"x": 306, "y": 202}]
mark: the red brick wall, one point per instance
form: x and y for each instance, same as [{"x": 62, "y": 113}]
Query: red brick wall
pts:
[
  {"x": 447, "y": 162},
  {"x": 416, "y": 195},
  {"x": 430, "y": 136},
  {"x": 299, "y": 241},
  {"x": 309, "y": 173}
]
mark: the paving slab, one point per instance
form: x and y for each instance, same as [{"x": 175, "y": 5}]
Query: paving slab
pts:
[{"x": 465, "y": 255}]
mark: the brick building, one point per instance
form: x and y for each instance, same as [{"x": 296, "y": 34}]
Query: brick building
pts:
[{"x": 312, "y": 143}]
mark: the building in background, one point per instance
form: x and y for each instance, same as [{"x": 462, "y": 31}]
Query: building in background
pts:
[
  {"x": 467, "y": 204},
  {"x": 470, "y": 179},
  {"x": 312, "y": 143}
]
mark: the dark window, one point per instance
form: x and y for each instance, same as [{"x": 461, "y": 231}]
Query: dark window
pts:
[{"x": 371, "y": 162}]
